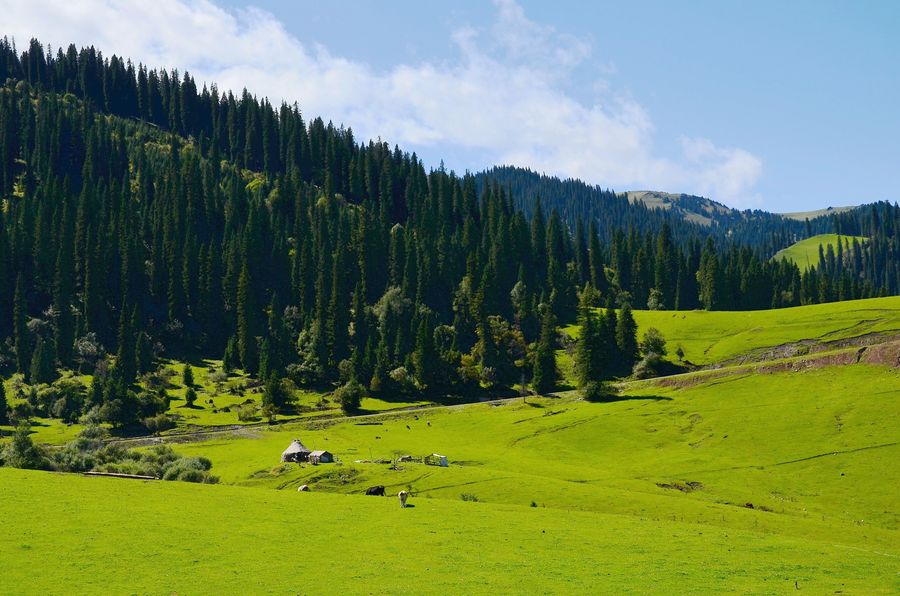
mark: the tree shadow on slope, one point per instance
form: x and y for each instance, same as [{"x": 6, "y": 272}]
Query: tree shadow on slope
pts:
[{"x": 606, "y": 399}]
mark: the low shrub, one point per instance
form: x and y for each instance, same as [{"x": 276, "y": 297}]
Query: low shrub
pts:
[
  {"x": 247, "y": 412},
  {"x": 597, "y": 391},
  {"x": 349, "y": 396},
  {"x": 159, "y": 423}
]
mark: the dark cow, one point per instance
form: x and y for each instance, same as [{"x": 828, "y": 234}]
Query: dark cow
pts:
[{"x": 375, "y": 491}]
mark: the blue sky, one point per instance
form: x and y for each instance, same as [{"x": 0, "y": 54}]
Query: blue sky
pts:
[{"x": 784, "y": 106}]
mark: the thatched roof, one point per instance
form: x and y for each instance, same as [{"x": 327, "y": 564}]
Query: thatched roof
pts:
[{"x": 295, "y": 447}]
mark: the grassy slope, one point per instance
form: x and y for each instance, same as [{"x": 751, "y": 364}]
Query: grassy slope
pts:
[
  {"x": 719, "y": 335},
  {"x": 803, "y": 215},
  {"x": 805, "y": 253},
  {"x": 734, "y": 435},
  {"x": 222, "y": 411},
  {"x": 815, "y": 452},
  {"x": 62, "y": 533}
]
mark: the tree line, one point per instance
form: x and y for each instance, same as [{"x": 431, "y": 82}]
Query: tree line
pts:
[{"x": 143, "y": 218}]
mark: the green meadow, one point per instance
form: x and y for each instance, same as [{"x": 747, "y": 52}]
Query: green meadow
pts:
[
  {"x": 805, "y": 253},
  {"x": 181, "y": 538},
  {"x": 713, "y": 336},
  {"x": 732, "y": 479}
]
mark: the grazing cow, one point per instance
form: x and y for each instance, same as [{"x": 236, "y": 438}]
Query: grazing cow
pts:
[
  {"x": 403, "y": 496},
  {"x": 303, "y": 489},
  {"x": 375, "y": 491}
]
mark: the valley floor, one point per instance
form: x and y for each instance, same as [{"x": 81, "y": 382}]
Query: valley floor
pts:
[
  {"x": 754, "y": 478},
  {"x": 67, "y": 535}
]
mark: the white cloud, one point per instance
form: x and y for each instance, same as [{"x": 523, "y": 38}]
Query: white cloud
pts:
[{"x": 502, "y": 99}]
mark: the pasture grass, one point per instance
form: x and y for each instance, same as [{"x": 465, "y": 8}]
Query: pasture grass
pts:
[
  {"x": 714, "y": 336},
  {"x": 808, "y": 454},
  {"x": 65, "y": 534},
  {"x": 728, "y": 480},
  {"x": 805, "y": 253}
]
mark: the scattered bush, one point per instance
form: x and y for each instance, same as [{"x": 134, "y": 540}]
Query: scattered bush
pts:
[
  {"x": 647, "y": 367},
  {"x": 349, "y": 396},
  {"x": 21, "y": 452},
  {"x": 158, "y": 423},
  {"x": 247, "y": 413},
  {"x": 403, "y": 380},
  {"x": 20, "y": 412},
  {"x": 278, "y": 393},
  {"x": 653, "y": 342},
  {"x": 597, "y": 391},
  {"x": 269, "y": 412},
  {"x": 218, "y": 377},
  {"x": 653, "y": 365},
  {"x": 190, "y": 469},
  {"x": 160, "y": 461},
  {"x": 469, "y": 497}
]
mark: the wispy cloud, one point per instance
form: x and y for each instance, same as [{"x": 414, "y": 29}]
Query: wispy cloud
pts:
[{"x": 500, "y": 100}]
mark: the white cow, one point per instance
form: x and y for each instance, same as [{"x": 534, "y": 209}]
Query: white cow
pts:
[{"x": 403, "y": 496}]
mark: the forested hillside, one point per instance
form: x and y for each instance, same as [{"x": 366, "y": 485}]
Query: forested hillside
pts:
[{"x": 144, "y": 217}]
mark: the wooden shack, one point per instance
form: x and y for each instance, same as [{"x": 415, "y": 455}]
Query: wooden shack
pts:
[
  {"x": 436, "y": 459},
  {"x": 320, "y": 457}
]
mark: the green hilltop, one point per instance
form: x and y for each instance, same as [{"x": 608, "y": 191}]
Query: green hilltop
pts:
[{"x": 805, "y": 253}]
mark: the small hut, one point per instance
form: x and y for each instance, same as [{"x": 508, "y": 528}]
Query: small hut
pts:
[
  {"x": 296, "y": 452},
  {"x": 436, "y": 459},
  {"x": 320, "y": 457}
]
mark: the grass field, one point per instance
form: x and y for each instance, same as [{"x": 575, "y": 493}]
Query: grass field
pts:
[
  {"x": 805, "y": 253},
  {"x": 62, "y": 534},
  {"x": 217, "y": 403},
  {"x": 615, "y": 484},
  {"x": 723, "y": 480},
  {"x": 714, "y": 336}
]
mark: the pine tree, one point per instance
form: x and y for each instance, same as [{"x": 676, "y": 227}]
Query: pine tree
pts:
[
  {"x": 42, "y": 369},
  {"x": 4, "y": 406},
  {"x": 247, "y": 328},
  {"x": 190, "y": 397},
  {"x": 265, "y": 359},
  {"x": 626, "y": 338},
  {"x": 589, "y": 356},
  {"x": 187, "y": 375},
  {"x": 231, "y": 358},
  {"x": 20, "y": 329},
  {"x": 424, "y": 357},
  {"x": 143, "y": 354},
  {"x": 545, "y": 375},
  {"x": 126, "y": 361}
]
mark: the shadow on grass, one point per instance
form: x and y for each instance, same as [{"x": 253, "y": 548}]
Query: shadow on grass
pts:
[
  {"x": 607, "y": 399},
  {"x": 129, "y": 431}
]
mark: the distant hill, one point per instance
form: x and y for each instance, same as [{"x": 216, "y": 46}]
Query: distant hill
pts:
[
  {"x": 804, "y": 215},
  {"x": 692, "y": 208},
  {"x": 646, "y": 210},
  {"x": 805, "y": 253}
]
